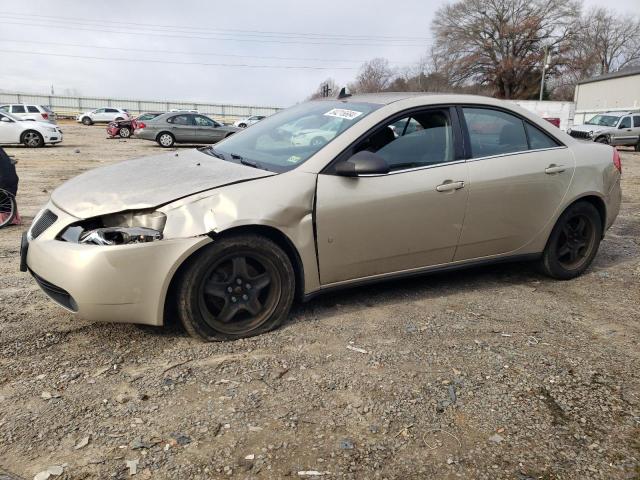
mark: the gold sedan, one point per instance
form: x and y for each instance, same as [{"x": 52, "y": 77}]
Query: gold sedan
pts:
[{"x": 400, "y": 184}]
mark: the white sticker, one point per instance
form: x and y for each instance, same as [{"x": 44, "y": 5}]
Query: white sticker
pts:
[{"x": 342, "y": 113}]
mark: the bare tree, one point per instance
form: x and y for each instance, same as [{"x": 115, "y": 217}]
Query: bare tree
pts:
[
  {"x": 500, "y": 43},
  {"x": 375, "y": 76},
  {"x": 608, "y": 41}
]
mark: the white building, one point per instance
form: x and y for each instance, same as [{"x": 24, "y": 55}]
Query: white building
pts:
[{"x": 612, "y": 92}]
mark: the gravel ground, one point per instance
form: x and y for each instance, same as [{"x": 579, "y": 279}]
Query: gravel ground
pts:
[{"x": 491, "y": 373}]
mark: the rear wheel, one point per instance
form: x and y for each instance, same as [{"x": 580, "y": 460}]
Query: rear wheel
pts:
[
  {"x": 573, "y": 243},
  {"x": 237, "y": 287},
  {"x": 87, "y": 121},
  {"x": 32, "y": 139},
  {"x": 166, "y": 140},
  {"x": 119, "y": 119},
  {"x": 124, "y": 132}
]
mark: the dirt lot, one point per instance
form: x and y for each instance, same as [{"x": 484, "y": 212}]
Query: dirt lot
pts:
[{"x": 492, "y": 373}]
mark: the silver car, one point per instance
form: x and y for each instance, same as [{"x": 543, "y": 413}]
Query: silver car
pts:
[
  {"x": 612, "y": 128},
  {"x": 228, "y": 235},
  {"x": 182, "y": 127}
]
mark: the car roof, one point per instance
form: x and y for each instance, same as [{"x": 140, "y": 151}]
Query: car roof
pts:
[{"x": 386, "y": 98}]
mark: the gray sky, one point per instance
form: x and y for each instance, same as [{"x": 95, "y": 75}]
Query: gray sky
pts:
[{"x": 331, "y": 41}]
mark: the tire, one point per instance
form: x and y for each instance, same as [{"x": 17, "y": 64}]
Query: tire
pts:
[
  {"x": 603, "y": 139},
  {"x": 8, "y": 208},
  {"x": 242, "y": 125},
  {"x": 637, "y": 147},
  {"x": 573, "y": 242},
  {"x": 32, "y": 139},
  {"x": 125, "y": 132},
  {"x": 317, "y": 142},
  {"x": 262, "y": 283},
  {"x": 165, "y": 140},
  {"x": 87, "y": 121},
  {"x": 119, "y": 119}
]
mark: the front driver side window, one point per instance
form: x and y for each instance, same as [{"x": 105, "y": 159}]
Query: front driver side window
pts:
[
  {"x": 421, "y": 139},
  {"x": 625, "y": 123}
]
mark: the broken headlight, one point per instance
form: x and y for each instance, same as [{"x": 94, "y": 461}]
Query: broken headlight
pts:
[{"x": 118, "y": 229}]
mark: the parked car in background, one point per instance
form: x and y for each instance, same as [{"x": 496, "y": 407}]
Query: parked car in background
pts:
[
  {"x": 228, "y": 235},
  {"x": 26, "y": 111},
  {"x": 613, "y": 128},
  {"x": 30, "y": 133},
  {"x": 103, "y": 115},
  {"x": 182, "y": 127},
  {"x": 173, "y": 110},
  {"x": 125, "y": 128},
  {"x": 246, "y": 122}
]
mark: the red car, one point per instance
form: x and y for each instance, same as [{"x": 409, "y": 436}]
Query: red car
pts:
[{"x": 124, "y": 128}]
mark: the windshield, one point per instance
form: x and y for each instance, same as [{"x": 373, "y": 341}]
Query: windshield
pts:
[
  {"x": 603, "y": 121},
  {"x": 287, "y": 139},
  {"x": 12, "y": 117}
]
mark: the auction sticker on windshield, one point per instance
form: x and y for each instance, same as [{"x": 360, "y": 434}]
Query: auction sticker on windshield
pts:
[{"x": 342, "y": 113}]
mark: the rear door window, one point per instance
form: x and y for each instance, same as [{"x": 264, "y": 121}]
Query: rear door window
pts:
[
  {"x": 181, "y": 120},
  {"x": 494, "y": 132},
  {"x": 636, "y": 120},
  {"x": 539, "y": 139},
  {"x": 111, "y": 110}
]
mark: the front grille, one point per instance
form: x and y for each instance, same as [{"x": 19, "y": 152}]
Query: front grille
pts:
[
  {"x": 578, "y": 134},
  {"x": 56, "y": 293},
  {"x": 44, "y": 221}
]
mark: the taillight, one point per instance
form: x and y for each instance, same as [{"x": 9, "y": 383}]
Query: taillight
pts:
[
  {"x": 141, "y": 125},
  {"x": 45, "y": 116},
  {"x": 616, "y": 160}
]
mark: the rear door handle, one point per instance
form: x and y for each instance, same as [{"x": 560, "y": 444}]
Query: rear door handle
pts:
[
  {"x": 449, "y": 186},
  {"x": 551, "y": 169}
]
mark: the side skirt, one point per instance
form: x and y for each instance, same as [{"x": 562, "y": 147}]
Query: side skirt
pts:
[{"x": 419, "y": 272}]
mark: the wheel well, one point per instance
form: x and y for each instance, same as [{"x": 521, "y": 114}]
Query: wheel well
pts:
[
  {"x": 600, "y": 206},
  {"x": 271, "y": 233},
  {"x": 229, "y": 134},
  {"x": 28, "y": 131},
  {"x": 162, "y": 133}
]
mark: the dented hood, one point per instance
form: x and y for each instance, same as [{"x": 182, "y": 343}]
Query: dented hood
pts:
[{"x": 148, "y": 182}]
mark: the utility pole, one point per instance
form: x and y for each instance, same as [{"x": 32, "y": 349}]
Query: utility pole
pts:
[
  {"x": 326, "y": 91},
  {"x": 545, "y": 64}
]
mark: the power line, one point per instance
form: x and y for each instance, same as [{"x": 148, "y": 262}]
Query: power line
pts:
[
  {"x": 165, "y": 62},
  {"x": 235, "y": 31},
  {"x": 130, "y": 49},
  {"x": 198, "y": 37}
]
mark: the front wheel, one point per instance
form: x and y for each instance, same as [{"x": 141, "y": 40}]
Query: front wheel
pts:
[
  {"x": 124, "y": 132},
  {"x": 236, "y": 287},
  {"x": 318, "y": 142},
  {"x": 32, "y": 139},
  {"x": 242, "y": 125},
  {"x": 166, "y": 140},
  {"x": 604, "y": 139},
  {"x": 573, "y": 243}
]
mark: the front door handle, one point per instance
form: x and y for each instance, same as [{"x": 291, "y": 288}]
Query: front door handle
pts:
[
  {"x": 449, "y": 186},
  {"x": 551, "y": 169}
]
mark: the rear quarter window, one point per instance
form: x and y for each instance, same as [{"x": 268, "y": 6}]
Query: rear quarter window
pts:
[
  {"x": 539, "y": 139},
  {"x": 33, "y": 109}
]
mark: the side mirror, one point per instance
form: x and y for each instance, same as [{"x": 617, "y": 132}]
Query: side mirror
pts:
[{"x": 362, "y": 163}]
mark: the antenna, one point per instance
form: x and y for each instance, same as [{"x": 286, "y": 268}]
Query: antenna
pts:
[{"x": 343, "y": 93}]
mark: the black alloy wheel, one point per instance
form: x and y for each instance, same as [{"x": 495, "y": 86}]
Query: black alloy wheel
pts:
[
  {"x": 236, "y": 287},
  {"x": 574, "y": 242}
]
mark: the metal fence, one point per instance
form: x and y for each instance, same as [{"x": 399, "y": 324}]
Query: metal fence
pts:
[{"x": 65, "y": 106}]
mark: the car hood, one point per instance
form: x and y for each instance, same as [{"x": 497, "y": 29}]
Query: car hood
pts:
[
  {"x": 39, "y": 124},
  {"x": 148, "y": 183}
]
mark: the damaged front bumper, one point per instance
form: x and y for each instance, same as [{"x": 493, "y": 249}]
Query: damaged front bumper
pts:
[{"x": 112, "y": 283}]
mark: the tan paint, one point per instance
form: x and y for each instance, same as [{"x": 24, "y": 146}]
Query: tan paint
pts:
[{"x": 368, "y": 227}]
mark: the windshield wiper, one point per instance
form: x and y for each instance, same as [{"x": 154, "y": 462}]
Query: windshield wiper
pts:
[
  {"x": 211, "y": 151},
  {"x": 248, "y": 163}
]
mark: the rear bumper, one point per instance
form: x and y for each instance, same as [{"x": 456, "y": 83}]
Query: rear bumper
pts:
[
  {"x": 613, "y": 199},
  {"x": 144, "y": 134}
]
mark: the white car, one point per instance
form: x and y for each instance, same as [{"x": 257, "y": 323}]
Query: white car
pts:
[
  {"x": 25, "y": 111},
  {"x": 14, "y": 130},
  {"x": 317, "y": 136},
  {"x": 245, "y": 122},
  {"x": 103, "y": 115}
]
